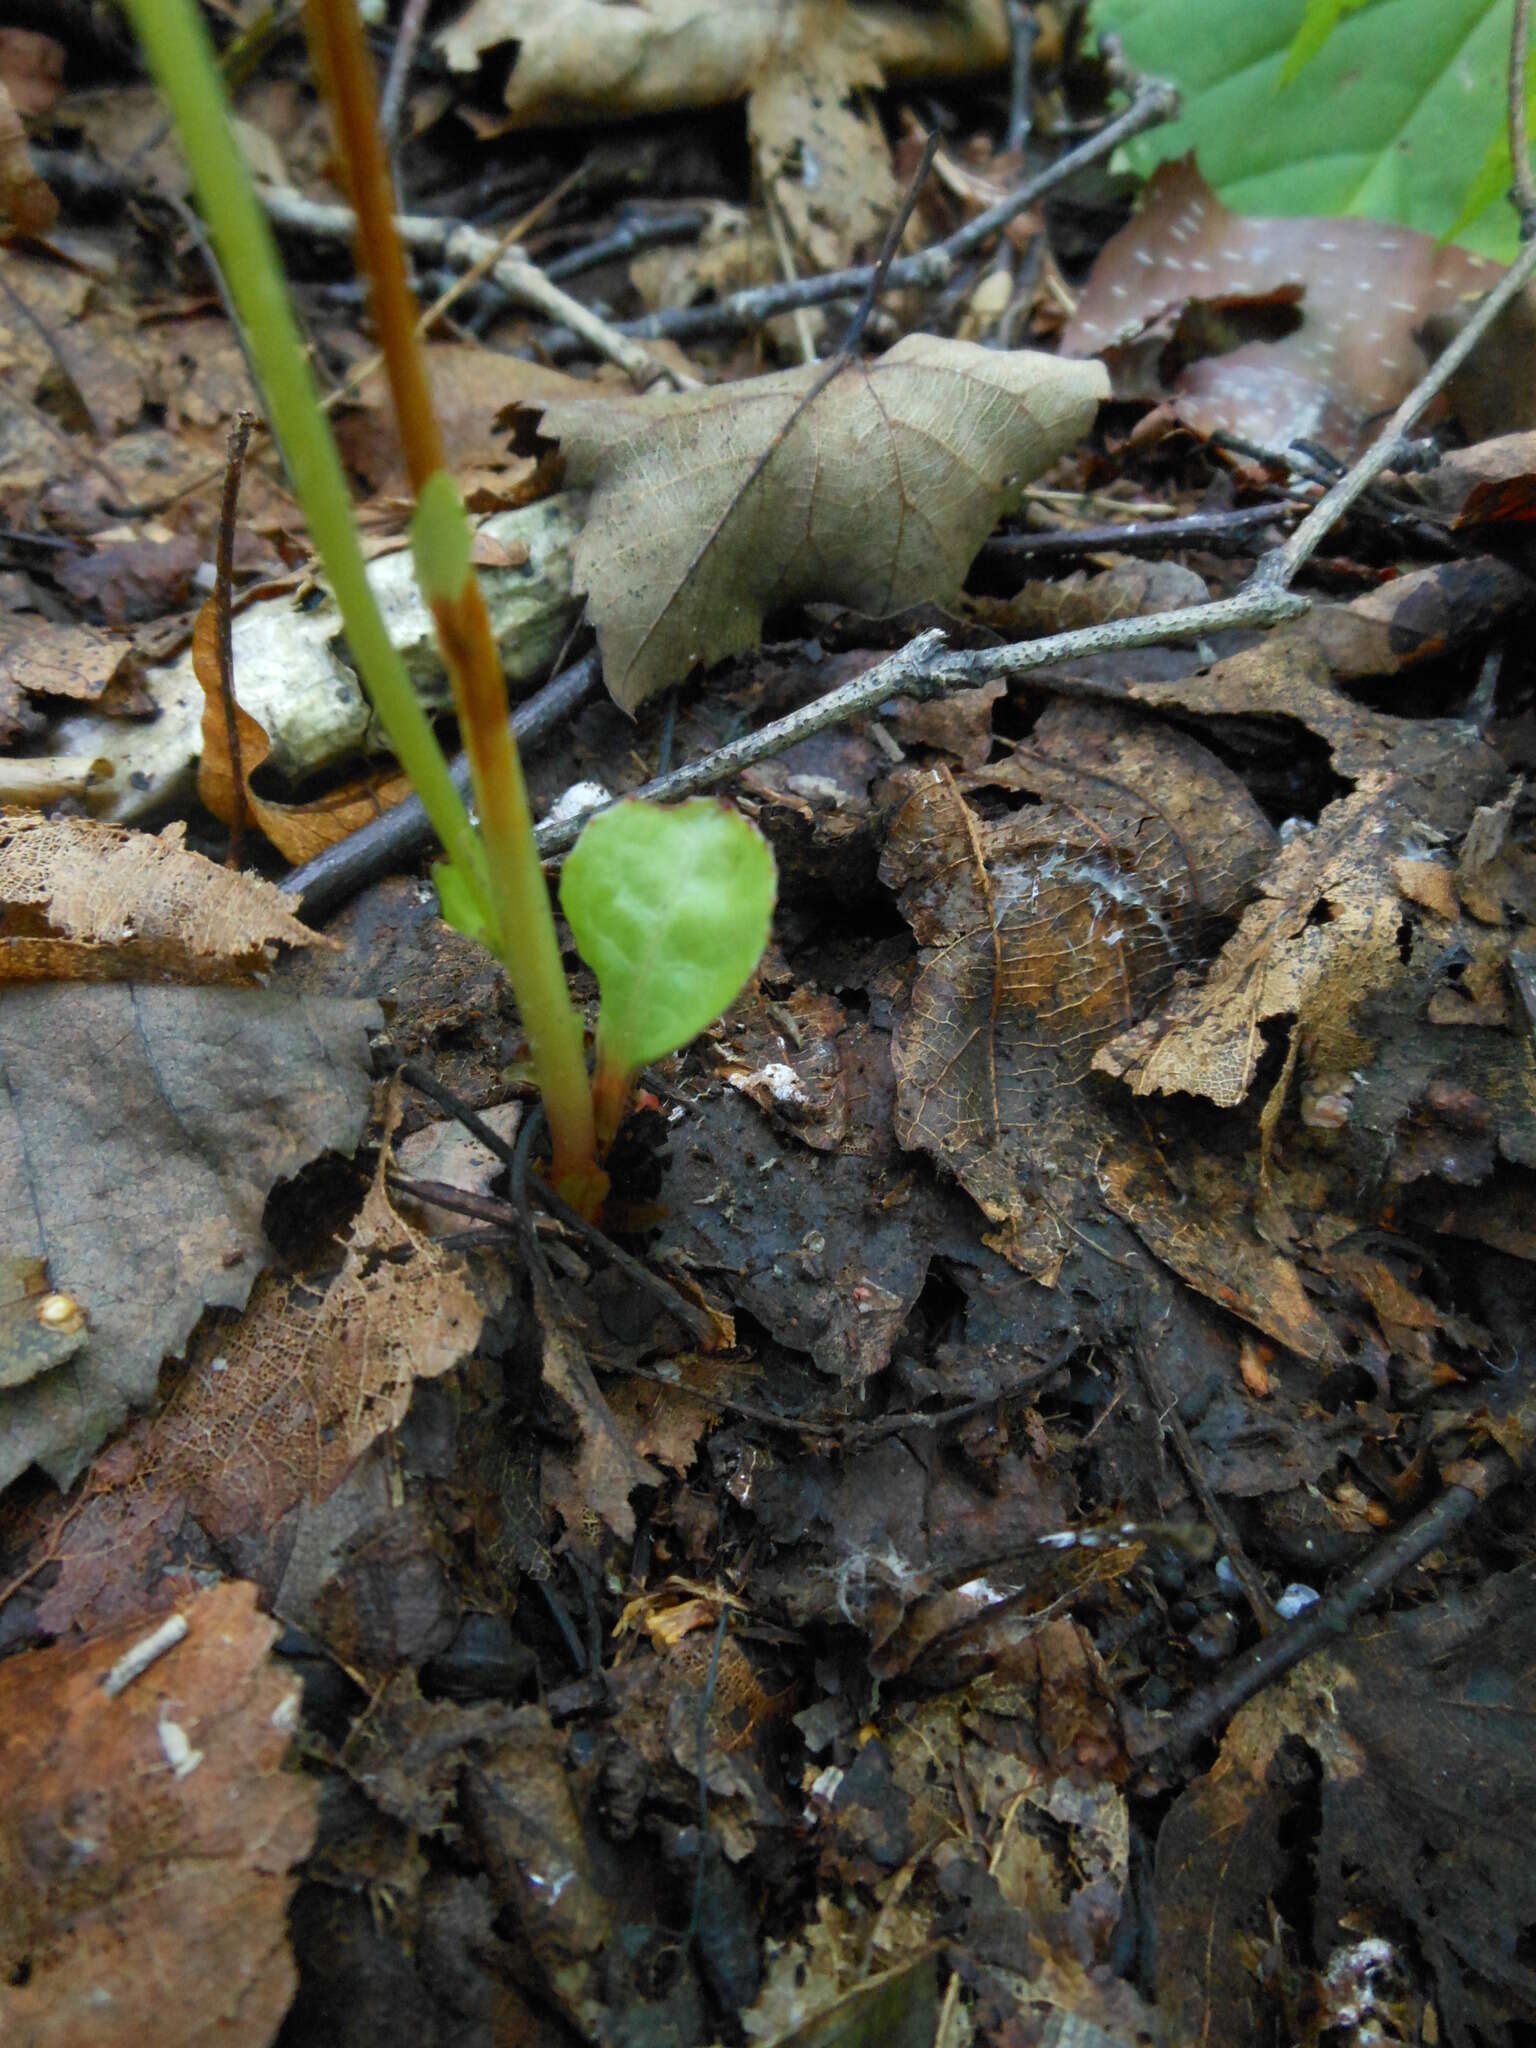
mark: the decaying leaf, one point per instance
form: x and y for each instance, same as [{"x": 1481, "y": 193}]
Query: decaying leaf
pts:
[
  {"x": 81, "y": 901},
  {"x": 147, "y": 1836},
  {"x": 141, "y": 1130},
  {"x": 278, "y": 1406},
  {"x": 39, "y": 1326},
  {"x": 584, "y": 60},
  {"x": 27, "y": 207},
  {"x": 1042, "y": 928},
  {"x": 817, "y": 143},
  {"x": 1404, "y": 1761},
  {"x": 710, "y": 508},
  {"x": 1362, "y": 290},
  {"x": 606, "y": 1467}
]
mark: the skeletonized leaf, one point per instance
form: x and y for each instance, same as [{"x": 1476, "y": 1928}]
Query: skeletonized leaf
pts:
[
  {"x": 86, "y": 902},
  {"x": 709, "y": 509}
]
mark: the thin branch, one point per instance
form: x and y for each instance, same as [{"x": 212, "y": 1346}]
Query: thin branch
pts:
[
  {"x": 1522, "y": 181},
  {"x": 1023, "y": 29},
  {"x": 392, "y": 100},
  {"x": 1220, "y": 532},
  {"x": 930, "y": 270},
  {"x": 404, "y": 834},
  {"x": 451, "y": 242},
  {"x": 1323, "y": 1622},
  {"x": 926, "y": 668}
]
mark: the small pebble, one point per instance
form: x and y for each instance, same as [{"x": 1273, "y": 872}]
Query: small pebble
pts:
[
  {"x": 1294, "y": 1599},
  {"x": 1226, "y": 1575}
]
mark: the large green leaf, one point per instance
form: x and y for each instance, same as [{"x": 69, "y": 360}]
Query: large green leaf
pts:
[
  {"x": 670, "y": 906},
  {"x": 1392, "y": 116}
]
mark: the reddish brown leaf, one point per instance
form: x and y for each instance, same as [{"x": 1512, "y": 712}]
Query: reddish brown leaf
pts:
[{"x": 1363, "y": 289}]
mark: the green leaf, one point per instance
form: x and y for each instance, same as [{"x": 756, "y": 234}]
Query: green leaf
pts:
[
  {"x": 441, "y": 541},
  {"x": 670, "y": 906},
  {"x": 1317, "y": 25},
  {"x": 462, "y": 900},
  {"x": 1391, "y": 118}
]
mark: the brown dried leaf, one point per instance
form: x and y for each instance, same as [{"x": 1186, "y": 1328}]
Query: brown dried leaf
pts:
[
  {"x": 31, "y": 70},
  {"x": 279, "y": 1405},
  {"x": 146, "y": 1840},
  {"x": 873, "y": 488},
  {"x": 1363, "y": 287},
  {"x": 817, "y": 143},
  {"x": 1326, "y": 934},
  {"x": 298, "y": 831},
  {"x": 606, "y": 1468},
  {"x": 141, "y": 1131},
  {"x": 584, "y": 60},
  {"x": 81, "y": 901},
  {"x": 27, "y": 207},
  {"x": 1044, "y": 928}
]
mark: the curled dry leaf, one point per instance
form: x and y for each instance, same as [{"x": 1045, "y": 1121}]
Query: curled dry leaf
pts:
[
  {"x": 146, "y": 1839},
  {"x": 298, "y": 831},
  {"x": 86, "y": 902},
  {"x": 872, "y": 487},
  {"x": 27, "y": 207},
  {"x": 1183, "y": 275}
]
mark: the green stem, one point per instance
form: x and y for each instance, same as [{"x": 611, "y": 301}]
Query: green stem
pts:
[{"x": 176, "y": 44}]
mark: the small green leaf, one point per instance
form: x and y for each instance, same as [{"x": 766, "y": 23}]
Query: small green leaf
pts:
[
  {"x": 441, "y": 541},
  {"x": 671, "y": 907},
  {"x": 462, "y": 900}
]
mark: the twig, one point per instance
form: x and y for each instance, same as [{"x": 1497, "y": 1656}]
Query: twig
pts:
[
  {"x": 635, "y": 232},
  {"x": 402, "y": 835},
  {"x": 706, "y": 1701},
  {"x": 1171, "y": 1423},
  {"x": 929, "y": 270},
  {"x": 136, "y": 1660},
  {"x": 223, "y": 613},
  {"x": 926, "y": 668},
  {"x": 1278, "y": 571},
  {"x": 1325, "y": 1621},
  {"x": 413, "y": 19},
  {"x": 1219, "y": 532},
  {"x": 1022, "y": 32},
  {"x": 454, "y": 243},
  {"x": 879, "y": 275},
  {"x": 1522, "y": 181}
]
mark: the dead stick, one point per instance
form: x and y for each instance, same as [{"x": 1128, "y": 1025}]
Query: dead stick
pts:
[
  {"x": 1325, "y": 1621},
  {"x": 1155, "y": 101},
  {"x": 1522, "y": 183}
]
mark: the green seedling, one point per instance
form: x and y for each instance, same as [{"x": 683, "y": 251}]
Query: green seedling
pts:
[
  {"x": 670, "y": 908},
  {"x": 676, "y": 893}
]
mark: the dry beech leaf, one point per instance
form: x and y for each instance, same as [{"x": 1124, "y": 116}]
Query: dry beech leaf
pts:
[
  {"x": 298, "y": 831},
  {"x": 711, "y": 508},
  {"x": 146, "y": 1839},
  {"x": 1361, "y": 287},
  {"x": 86, "y": 902},
  {"x": 1045, "y": 929}
]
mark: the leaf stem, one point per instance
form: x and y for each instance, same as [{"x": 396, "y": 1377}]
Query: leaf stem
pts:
[
  {"x": 527, "y": 941},
  {"x": 175, "y": 41}
]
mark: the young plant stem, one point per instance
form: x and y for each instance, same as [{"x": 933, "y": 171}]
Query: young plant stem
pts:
[
  {"x": 527, "y": 942},
  {"x": 175, "y": 41}
]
